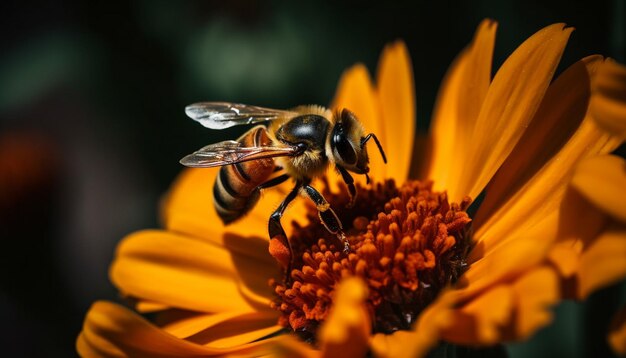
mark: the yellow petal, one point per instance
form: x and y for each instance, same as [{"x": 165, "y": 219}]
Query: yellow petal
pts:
[
  {"x": 356, "y": 92},
  {"x": 346, "y": 330},
  {"x": 459, "y": 101},
  {"x": 602, "y": 180},
  {"x": 192, "y": 274},
  {"x": 608, "y": 103},
  {"x": 397, "y": 101},
  {"x": 535, "y": 293},
  {"x": 423, "y": 336},
  {"x": 604, "y": 261},
  {"x": 110, "y": 330},
  {"x": 512, "y": 100},
  {"x": 188, "y": 208},
  {"x": 617, "y": 333},
  {"x": 220, "y": 330},
  {"x": 481, "y": 321}
]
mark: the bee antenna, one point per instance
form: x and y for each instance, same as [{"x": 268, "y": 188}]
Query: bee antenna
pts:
[
  {"x": 367, "y": 179},
  {"x": 380, "y": 148}
]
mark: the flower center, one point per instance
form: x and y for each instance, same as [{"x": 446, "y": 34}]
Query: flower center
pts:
[{"x": 406, "y": 243}]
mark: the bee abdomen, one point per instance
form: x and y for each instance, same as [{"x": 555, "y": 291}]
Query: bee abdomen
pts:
[{"x": 236, "y": 187}]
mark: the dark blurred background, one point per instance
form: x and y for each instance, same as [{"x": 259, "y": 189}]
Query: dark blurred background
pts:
[{"x": 92, "y": 124}]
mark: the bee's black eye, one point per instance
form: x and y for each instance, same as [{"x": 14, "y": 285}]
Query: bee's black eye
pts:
[{"x": 342, "y": 146}]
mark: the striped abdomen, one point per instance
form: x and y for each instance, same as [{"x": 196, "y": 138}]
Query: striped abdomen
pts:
[{"x": 235, "y": 191}]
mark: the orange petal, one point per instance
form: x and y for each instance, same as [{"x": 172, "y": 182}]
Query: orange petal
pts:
[
  {"x": 481, "y": 320},
  {"x": 518, "y": 253},
  {"x": 459, "y": 101},
  {"x": 512, "y": 100},
  {"x": 565, "y": 256},
  {"x": 608, "y": 103},
  {"x": 602, "y": 180},
  {"x": 111, "y": 330},
  {"x": 356, "y": 92},
  {"x": 346, "y": 330},
  {"x": 147, "y": 306},
  {"x": 604, "y": 261},
  {"x": 425, "y": 333},
  {"x": 617, "y": 333},
  {"x": 396, "y": 92},
  {"x": 180, "y": 272},
  {"x": 188, "y": 208},
  {"x": 541, "y": 195},
  {"x": 220, "y": 330},
  {"x": 512, "y": 310},
  {"x": 535, "y": 293},
  {"x": 559, "y": 116}
]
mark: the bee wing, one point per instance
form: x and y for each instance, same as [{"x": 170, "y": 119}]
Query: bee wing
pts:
[
  {"x": 231, "y": 152},
  {"x": 220, "y": 115}
]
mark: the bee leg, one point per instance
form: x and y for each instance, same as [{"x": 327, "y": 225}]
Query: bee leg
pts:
[
  {"x": 274, "y": 181},
  {"x": 327, "y": 216},
  {"x": 347, "y": 178},
  {"x": 276, "y": 230}
]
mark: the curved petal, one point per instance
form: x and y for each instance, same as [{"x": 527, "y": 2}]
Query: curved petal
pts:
[
  {"x": 603, "y": 262},
  {"x": 535, "y": 293},
  {"x": 617, "y": 333},
  {"x": 512, "y": 310},
  {"x": 565, "y": 256},
  {"x": 481, "y": 321},
  {"x": 602, "y": 181},
  {"x": 147, "y": 306},
  {"x": 180, "y": 272},
  {"x": 512, "y": 100},
  {"x": 346, "y": 330},
  {"x": 220, "y": 330},
  {"x": 188, "y": 208},
  {"x": 356, "y": 92},
  {"x": 425, "y": 333},
  {"x": 517, "y": 254},
  {"x": 111, "y": 330},
  {"x": 608, "y": 103},
  {"x": 461, "y": 95},
  {"x": 396, "y": 92}
]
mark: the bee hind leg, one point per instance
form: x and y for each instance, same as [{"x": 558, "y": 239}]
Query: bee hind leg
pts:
[
  {"x": 274, "y": 181},
  {"x": 326, "y": 214},
  {"x": 275, "y": 229}
]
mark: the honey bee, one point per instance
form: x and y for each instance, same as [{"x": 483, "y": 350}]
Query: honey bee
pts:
[{"x": 301, "y": 143}]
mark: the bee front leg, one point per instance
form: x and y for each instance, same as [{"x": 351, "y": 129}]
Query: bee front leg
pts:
[
  {"x": 347, "y": 178},
  {"x": 327, "y": 216}
]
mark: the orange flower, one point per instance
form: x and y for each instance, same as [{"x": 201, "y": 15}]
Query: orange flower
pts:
[{"x": 517, "y": 134}]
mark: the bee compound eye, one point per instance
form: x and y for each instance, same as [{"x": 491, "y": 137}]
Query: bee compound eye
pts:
[{"x": 345, "y": 151}]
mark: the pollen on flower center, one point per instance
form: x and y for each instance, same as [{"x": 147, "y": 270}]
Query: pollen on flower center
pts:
[{"x": 406, "y": 243}]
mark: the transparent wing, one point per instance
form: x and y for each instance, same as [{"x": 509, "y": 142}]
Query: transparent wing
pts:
[
  {"x": 231, "y": 152},
  {"x": 220, "y": 115}
]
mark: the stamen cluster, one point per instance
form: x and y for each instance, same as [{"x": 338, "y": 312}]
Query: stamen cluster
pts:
[{"x": 406, "y": 243}]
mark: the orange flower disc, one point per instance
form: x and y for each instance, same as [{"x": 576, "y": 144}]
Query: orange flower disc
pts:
[{"x": 406, "y": 243}]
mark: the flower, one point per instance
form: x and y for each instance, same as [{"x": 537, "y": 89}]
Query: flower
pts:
[{"x": 517, "y": 134}]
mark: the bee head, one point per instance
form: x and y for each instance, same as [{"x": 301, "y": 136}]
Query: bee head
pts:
[{"x": 347, "y": 143}]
